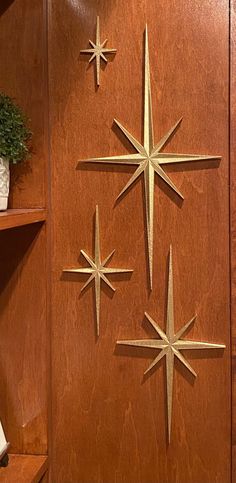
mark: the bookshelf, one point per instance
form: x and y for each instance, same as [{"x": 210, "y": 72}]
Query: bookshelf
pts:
[{"x": 24, "y": 324}]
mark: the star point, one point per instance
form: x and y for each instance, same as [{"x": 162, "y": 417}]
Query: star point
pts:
[
  {"x": 97, "y": 270},
  {"x": 149, "y": 158},
  {"x": 98, "y": 51},
  {"x": 170, "y": 345}
]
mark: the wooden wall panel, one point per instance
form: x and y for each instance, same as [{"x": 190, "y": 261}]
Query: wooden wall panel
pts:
[
  {"x": 233, "y": 225},
  {"x": 108, "y": 424},
  {"x": 23, "y": 77}
]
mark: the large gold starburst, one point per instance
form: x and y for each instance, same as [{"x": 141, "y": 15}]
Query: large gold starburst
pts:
[
  {"x": 170, "y": 345},
  {"x": 98, "y": 51},
  {"x": 150, "y": 158},
  {"x": 97, "y": 270}
]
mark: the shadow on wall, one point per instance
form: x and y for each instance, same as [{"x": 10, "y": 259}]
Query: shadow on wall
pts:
[{"x": 4, "y": 5}]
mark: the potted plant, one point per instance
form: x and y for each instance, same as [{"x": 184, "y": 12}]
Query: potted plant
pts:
[{"x": 14, "y": 142}]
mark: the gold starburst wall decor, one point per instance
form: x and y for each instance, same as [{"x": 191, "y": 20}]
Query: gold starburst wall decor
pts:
[
  {"x": 97, "y": 270},
  {"x": 98, "y": 51},
  {"x": 170, "y": 345},
  {"x": 149, "y": 158}
]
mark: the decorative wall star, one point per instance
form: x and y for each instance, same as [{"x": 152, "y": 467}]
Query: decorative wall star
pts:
[
  {"x": 97, "y": 270},
  {"x": 98, "y": 51},
  {"x": 150, "y": 158},
  {"x": 170, "y": 345}
]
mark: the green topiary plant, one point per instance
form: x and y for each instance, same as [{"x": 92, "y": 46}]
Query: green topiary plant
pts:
[{"x": 14, "y": 133}]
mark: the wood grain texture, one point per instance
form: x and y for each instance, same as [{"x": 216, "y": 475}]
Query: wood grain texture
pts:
[
  {"x": 24, "y": 469},
  {"x": 233, "y": 224},
  {"x": 109, "y": 425},
  {"x": 45, "y": 478},
  {"x": 20, "y": 217},
  {"x": 5, "y": 4},
  {"x": 23, "y": 361},
  {"x": 23, "y": 77},
  {"x": 23, "y": 364}
]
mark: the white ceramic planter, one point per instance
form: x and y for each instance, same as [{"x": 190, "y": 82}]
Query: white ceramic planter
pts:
[{"x": 4, "y": 183}]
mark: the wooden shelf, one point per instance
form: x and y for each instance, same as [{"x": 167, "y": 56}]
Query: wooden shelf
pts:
[
  {"x": 20, "y": 217},
  {"x": 24, "y": 469}
]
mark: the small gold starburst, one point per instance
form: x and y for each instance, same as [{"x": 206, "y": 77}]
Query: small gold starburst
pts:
[
  {"x": 97, "y": 270},
  {"x": 98, "y": 51},
  {"x": 170, "y": 344}
]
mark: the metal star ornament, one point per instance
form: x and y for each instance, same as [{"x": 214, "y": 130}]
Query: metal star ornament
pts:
[
  {"x": 98, "y": 51},
  {"x": 149, "y": 158},
  {"x": 97, "y": 270},
  {"x": 170, "y": 345}
]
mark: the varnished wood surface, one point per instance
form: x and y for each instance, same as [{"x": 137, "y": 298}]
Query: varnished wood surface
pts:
[
  {"x": 23, "y": 363},
  {"x": 45, "y": 478},
  {"x": 19, "y": 217},
  {"x": 5, "y": 4},
  {"x": 233, "y": 225},
  {"x": 24, "y": 469},
  {"x": 23, "y": 282},
  {"x": 109, "y": 425},
  {"x": 23, "y": 77}
]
